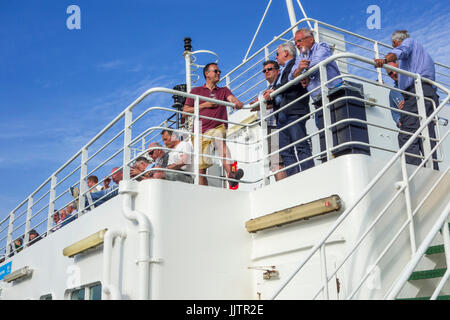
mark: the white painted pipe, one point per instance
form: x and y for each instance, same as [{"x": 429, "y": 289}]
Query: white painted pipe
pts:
[
  {"x": 129, "y": 189},
  {"x": 109, "y": 290}
]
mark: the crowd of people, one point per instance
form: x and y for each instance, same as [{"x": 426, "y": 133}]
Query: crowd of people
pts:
[
  {"x": 408, "y": 54},
  {"x": 176, "y": 157}
]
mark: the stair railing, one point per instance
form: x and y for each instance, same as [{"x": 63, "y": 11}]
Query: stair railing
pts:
[
  {"x": 441, "y": 224},
  {"x": 400, "y": 154}
]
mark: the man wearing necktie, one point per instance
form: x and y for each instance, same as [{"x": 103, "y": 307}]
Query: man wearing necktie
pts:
[
  {"x": 286, "y": 54},
  {"x": 271, "y": 70}
]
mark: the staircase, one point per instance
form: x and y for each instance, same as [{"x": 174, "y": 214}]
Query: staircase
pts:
[{"x": 428, "y": 274}]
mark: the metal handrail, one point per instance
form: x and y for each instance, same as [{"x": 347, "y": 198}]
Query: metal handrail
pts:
[
  {"x": 441, "y": 222},
  {"x": 380, "y": 174},
  {"x": 127, "y": 111}
]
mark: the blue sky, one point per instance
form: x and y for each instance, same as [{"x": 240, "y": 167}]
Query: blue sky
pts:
[{"x": 59, "y": 87}]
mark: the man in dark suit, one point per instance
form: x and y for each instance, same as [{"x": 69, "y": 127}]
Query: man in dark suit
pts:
[{"x": 286, "y": 54}]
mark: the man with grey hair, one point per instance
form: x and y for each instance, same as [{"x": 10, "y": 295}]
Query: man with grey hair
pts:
[
  {"x": 286, "y": 54},
  {"x": 180, "y": 158},
  {"x": 312, "y": 53},
  {"x": 413, "y": 58}
]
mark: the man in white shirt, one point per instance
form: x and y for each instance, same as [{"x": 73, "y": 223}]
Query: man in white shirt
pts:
[{"x": 180, "y": 158}]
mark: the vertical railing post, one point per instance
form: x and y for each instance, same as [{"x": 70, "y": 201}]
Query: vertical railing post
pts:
[
  {"x": 326, "y": 111},
  {"x": 9, "y": 240},
  {"x": 227, "y": 81},
  {"x": 406, "y": 191},
  {"x": 264, "y": 139},
  {"x": 51, "y": 204},
  {"x": 28, "y": 220},
  {"x": 421, "y": 110},
  {"x": 377, "y": 56},
  {"x": 187, "y": 58},
  {"x": 197, "y": 140},
  {"x": 126, "y": 144},
  {"x": 291, "y": 13},
  {"x": 316, "y": 32},
  {"x": 83, "y": 184},
  {"x": 323, "y": 264}
]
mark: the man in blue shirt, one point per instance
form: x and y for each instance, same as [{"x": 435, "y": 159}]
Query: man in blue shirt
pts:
[
  {"x": 286, "y": 54},
  {"x": 311, "y": 53},
  {"x": 413, "y": 58}
]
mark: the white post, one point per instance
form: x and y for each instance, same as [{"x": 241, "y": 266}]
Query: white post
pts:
[
  {"x": 326, "y": 111},
  {"x": 377, "y": 56},
  {"x": 323, "y": 263},
  {"x": 316, "y": 32},
  {"x": 421, "y": 110},
  {"x": 264, "y": 139},
  {"x": 126, "y": 145},
  {"x": 197, "y": 140},
  {"x": 412, "y": 234},
  {"x": 292, "y": 17},
  {"x": 51, "y": 204},
  {"x": 83, "y": 185},
  {"x": 187, "y": 58},
  {"x": 9, "y": 241},
  {"x": 28, "y": 221}
]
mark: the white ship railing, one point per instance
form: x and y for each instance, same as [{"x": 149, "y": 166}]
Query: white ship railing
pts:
[
  {"x": 403, "y": 186},
  {"x": 365, "y": 47},
  {"x": 441, "y": 225},
  {"x": 21, "y": 220}
]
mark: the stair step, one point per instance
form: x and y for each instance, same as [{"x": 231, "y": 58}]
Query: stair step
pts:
[
  {"x": 427, "y": 274},
  {"x": 427, "y": 298},
  {"x": 435, "y": 249}
]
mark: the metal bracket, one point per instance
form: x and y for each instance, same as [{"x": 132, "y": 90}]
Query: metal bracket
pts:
[{"x": 150, "y": 260}]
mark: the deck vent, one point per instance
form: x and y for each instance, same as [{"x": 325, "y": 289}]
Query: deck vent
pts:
[
  {"x": 21, "y": 273},
  {"x": 92, "y": 241},
  {"x": 290, "y": 215}
]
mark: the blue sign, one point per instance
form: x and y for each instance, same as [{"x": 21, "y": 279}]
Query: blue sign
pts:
[{"x": 5, "y": 270}]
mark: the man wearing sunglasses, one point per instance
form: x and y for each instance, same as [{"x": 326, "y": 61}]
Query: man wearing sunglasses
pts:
[
  {"x": 214, "y": 130},
  {"x": 271, "y": 71},
  {"x": 413, "y": 57},
  {"x": 286, "y": 54}
]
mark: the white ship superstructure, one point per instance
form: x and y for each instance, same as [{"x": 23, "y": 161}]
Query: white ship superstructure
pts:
[{"x": 362, "y": 225}]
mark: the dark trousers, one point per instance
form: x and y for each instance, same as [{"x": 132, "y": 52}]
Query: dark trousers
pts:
[
  {"x": 290, "y": 135},
  {"x": 411, "y": 124}
]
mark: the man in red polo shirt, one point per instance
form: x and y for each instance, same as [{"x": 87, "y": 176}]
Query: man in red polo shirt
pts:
[{"x": 212, "y": 129}]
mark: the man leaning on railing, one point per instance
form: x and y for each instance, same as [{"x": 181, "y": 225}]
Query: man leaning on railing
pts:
[
  {"x": 214, "y": 131},
  {"x": 312, "y": 53},
  {"x": 108, "y": 192},
  {"x": 414, "y": 58},
  {"x": 271, "y": 70},
  {"x": 286, "y": 54}
]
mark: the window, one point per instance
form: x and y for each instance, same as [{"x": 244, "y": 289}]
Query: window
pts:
[
  {"x": 87, "y": 292},
  {"x": 95, "y": 292},
  {"x": 77, "y": 294}
]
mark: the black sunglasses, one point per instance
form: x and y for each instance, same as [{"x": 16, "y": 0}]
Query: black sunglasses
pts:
[
  {"x": 267, "y": 70},
  {"x": 216, "y": 71},
  {"x": 151, "y": 153}
]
